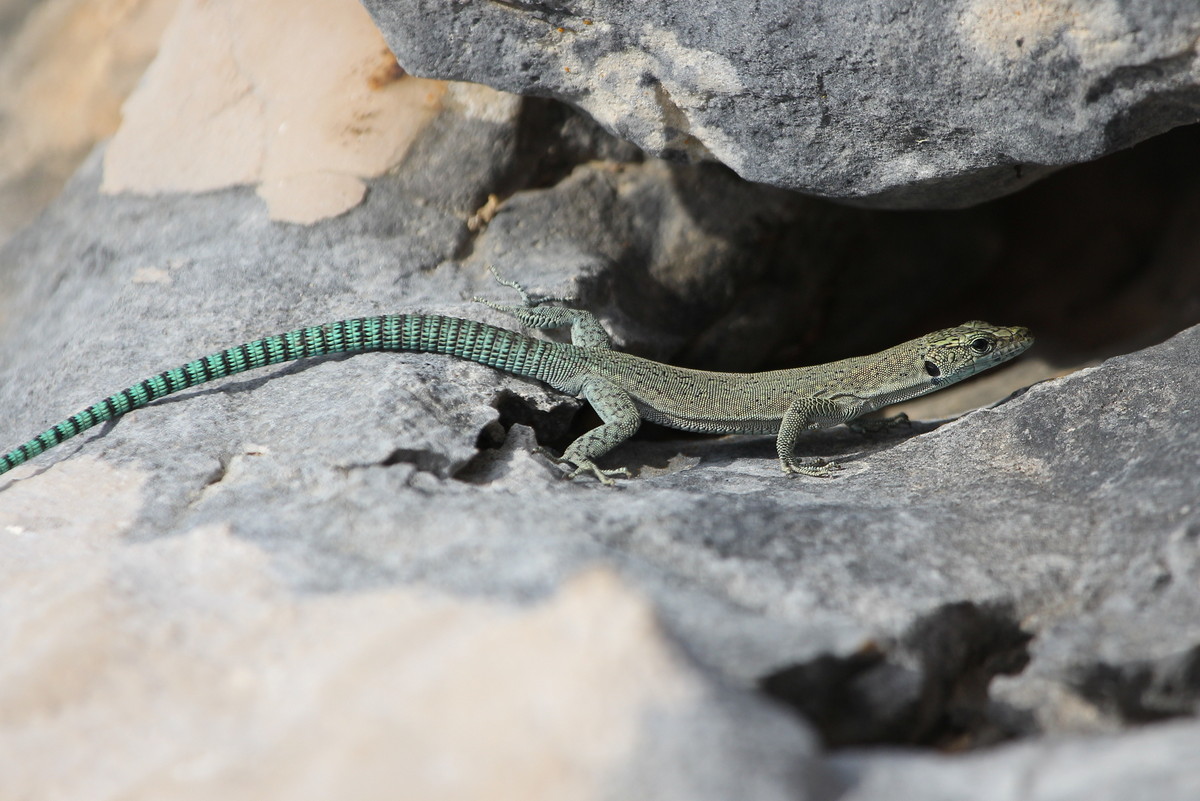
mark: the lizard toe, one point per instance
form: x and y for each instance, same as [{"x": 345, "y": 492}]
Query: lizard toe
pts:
[
  {"x": 817, "y": 469},
  {"x": 602, "y": 475}
]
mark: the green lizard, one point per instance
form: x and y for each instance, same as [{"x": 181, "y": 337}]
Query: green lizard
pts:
[{"x": 622, "y": 388}]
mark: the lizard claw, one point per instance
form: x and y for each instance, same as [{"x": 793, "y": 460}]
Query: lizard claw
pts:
[
  {"x": 586, "y": 466},
  {"x": 604, "y": 476}
]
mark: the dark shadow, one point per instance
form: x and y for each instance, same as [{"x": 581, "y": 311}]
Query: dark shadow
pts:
[
  {"x": 1144, "y": 691},
  {"x": 928, "y": 689}
]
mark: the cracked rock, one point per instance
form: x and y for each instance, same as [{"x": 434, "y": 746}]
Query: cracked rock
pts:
[
  {"x": 278, "y": 563},
  {"x": 1024, "y": 506},
  {"x": 931, "y": 687},
  {"x": 887, "y": 104}
]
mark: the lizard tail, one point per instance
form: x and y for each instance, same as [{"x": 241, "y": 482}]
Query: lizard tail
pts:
[{"x": 478, "y": 342}]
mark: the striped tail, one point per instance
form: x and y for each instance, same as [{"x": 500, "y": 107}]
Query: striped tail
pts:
[{"x": 467, "y": 339}]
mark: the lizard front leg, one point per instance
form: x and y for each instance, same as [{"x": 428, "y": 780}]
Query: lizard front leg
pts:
[
  {"x": 807, "y": 414},
  {"x": 586, "y": 331},
  {"x": 621, "y": 421}
]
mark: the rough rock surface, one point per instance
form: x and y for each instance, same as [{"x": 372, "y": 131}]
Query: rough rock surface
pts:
[
  {"x": 1031, "y": 568},
  {"x": 1144, "y": 764},
  {"x": 186, "y": 667},
  {"x": 890, "y": 104}
]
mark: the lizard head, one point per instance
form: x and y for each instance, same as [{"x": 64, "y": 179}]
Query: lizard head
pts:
[
  {"x": 923, "y": 365},
  {"x": 952, "y": 354}
]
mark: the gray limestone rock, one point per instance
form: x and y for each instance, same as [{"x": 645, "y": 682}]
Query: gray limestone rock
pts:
[
  {"x": 888, "y": 104},
  {"x": 1156, "y": 763},
  {"x": 1031, "y": 568}
]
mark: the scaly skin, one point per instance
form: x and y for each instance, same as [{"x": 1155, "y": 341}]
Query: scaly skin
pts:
[{"x": 623, "y": 389}]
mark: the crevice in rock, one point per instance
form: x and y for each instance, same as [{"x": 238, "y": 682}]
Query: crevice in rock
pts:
[
  {"x": 1144, "y": 691},
  {"x": 553, "y": 429},
  {"x": 217, "y": 475},
  {"x": 551, "y": 140},
  {"x": 717, "y": 273},
  {"x": 543, "y": 12},
  {"x": 1132, "y": 75},
  {"x": 928, "y": 688}
]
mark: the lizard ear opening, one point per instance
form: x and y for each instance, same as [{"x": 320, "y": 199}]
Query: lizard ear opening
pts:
[{"x": 932, "y": 369}]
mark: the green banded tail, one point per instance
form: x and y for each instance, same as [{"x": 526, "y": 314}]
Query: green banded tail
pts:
[{"x": 467, "y": 339}]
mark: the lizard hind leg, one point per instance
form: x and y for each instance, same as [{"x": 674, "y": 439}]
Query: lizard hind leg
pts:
[
  {"x": 586, "y": 331},
  {"x": 806, "y": 414},
  {"x": 620, "y": 422}
]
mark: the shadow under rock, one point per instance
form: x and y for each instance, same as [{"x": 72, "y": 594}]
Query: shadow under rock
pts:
[
  {"x": 1144, "y": 691},
  {"x": 930, "y": 688}
]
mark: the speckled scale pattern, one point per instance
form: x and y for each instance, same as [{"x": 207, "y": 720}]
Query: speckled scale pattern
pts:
[{"x": 622, "y": 388}]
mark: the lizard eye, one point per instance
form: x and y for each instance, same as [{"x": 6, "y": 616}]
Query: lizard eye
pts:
[
  {"x": 981, "y": 345},
  {"x": 932, "y": 369}
]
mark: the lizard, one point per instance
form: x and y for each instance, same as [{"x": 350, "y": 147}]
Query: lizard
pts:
[{"x": 624, "y": 389}]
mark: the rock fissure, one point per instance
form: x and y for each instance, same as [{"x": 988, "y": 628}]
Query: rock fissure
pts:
[{"x": 929, "y": 687}]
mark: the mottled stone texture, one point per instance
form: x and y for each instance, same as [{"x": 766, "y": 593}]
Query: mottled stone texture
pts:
[
  {"x": 1028, "y": 569},
  {"x": 351, "y": 575},
  {"x": 886, "y": 103}
]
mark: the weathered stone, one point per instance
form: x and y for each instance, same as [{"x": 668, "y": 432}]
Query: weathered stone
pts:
[
  {"x": 1155, "y": 763},
  {"x": 304, "y": 117},
  {"x": 65, "y": 67},
  {"x": 345, "y": 473},
  {"x": 889, "y": 104},
  {"x": 185, "y": 667},
  {"x": 320, "y": 534}
]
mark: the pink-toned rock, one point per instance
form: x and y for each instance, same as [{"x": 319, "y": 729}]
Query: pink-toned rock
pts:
[
  {"x": 186, "y": 668},
  {"x": 302, "y": 100},
  {"x": 63, "y": 77}
]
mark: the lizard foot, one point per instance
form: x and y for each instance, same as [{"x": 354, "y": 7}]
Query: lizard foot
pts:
[
  {"x": 817, "y": 469},
  {"x": 527, "y": 300},
  {"x": 604, "y": 476},
  {"x": 586, "y": 466}
]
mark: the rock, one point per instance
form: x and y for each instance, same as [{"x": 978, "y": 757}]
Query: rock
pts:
[
  {"x": 132, "y": 569},
  {"x": 1151, "y": 763},
  {"x": 242, "y": 120},
  {"x": 448, "y": 698},
  {"x": 304, "y": 548},
  {"x": 344, "y": 474},
  {"x": 65, "y": 68},
  {"x": 880, "y": 104}
]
